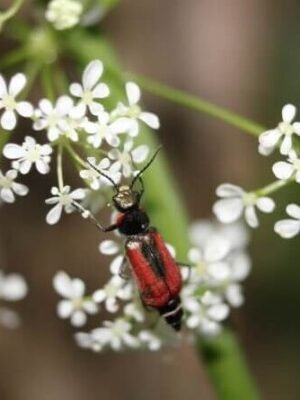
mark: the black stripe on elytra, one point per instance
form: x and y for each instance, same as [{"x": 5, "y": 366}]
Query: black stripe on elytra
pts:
[{"x": 152, "y": 256}]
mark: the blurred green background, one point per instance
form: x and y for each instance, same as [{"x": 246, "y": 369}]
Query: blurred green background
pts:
[{"x": 244, "y": 56}]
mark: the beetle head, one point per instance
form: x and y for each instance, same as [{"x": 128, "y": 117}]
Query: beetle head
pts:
[{"x": 126, "y": 198}]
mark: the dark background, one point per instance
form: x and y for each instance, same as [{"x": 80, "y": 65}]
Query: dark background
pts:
[{"x": 243, "y": 55}]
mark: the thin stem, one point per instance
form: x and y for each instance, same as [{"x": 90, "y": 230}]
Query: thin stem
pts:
[
  {"x": 59, "y": 168},
  {"x": 198, "y": 104},
  {"x": 273, "y": 187},
  {"x": 75, "y": 156},
  {"x": 6, "y": 15}
]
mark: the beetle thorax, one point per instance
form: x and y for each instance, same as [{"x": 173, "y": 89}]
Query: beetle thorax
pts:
[{"x": 126, "y": 198}]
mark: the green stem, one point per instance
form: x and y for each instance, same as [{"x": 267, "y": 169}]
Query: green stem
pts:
[
  {"x": 198, "y": 104},
  {"x": 228, "y": 370},
  {"x": 11, "y": 12},
  {"x": 273, "y": 187},
  {"x": 224, "y": 356},
  {"x": 59, "y": 169}
]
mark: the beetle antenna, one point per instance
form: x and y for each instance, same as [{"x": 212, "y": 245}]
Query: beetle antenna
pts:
[
  {"x": 103, "y": 174},
  {"x": 138, "y": 176}
]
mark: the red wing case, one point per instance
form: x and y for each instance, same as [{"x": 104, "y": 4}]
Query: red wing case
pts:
[{"x": 156, "y": 272}]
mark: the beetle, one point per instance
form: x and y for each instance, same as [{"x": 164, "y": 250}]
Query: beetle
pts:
[{"x": 156, "y": 272}]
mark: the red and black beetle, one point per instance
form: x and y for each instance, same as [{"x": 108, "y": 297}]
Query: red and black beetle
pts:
[{"x": 155, "y": 271}]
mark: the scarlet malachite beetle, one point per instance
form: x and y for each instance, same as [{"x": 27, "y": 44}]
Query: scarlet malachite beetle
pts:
[{"x": 155, "y": 271}]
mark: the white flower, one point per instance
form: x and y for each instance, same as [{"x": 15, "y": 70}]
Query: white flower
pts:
[
  {"x": 284, "y": 170},
  {"x": 206, "y": 313},
  {"x": 288, "y": 228},
  {"x": 152, "y": 341},
  {"x": 123, "y": 160},
  {"x": 115, "y": 289},
  {"x": 96, "y": 180},
  {"x": 134, "y": 111},
  {"x": 209, "y": 261},
  {"x": 70, "y": 124},
  {"x": 89, "y": 340},
  {"x": 90, "y": 90},
  {"x": 116, "y": 334},
  {"x": 64, "y": 14},
  {"x": 235, "y": 201},
  {"x": 285, "y": 130},
  {"x": 134, "y": 311},
  {"x": 75, "y": 304},
  {"x": 9, "y": 103},
  {"x": 91, "y": 176},
  {"x": 50, "y": 117},
  {"x": 12, "y": 287},
  {"x": 105, "y": 130},
  {"x": 62, "y": 200},
  {"x": 8, "y": 186},
  {"x": 236, "y": 233},
  {"x": 27, "y": 154}
]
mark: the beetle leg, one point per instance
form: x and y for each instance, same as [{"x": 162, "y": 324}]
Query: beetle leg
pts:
[{"x": 87, "y": 214}]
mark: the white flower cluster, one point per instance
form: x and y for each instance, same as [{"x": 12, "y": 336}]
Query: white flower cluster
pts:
[
  {"x": 64, "y": 14},
  {"x": 78, "y": 123},
  {"x": 12, "y": 288},
  {"x": 235, "y": 201},
  {"x": 219, "y": 263}
]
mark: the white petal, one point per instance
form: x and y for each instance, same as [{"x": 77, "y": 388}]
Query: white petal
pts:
[
  {"x": 25, "y": 166},
  {"x": 265, "y": 204},
  {"x": 78, "y": 194},
  {"x": 8, "y": 120},
  {"x": 270, "y": 138},
  {"x": 218, "y": 312},
  {"x": 99, "y": 295},
  {"x": 140, "y": 153},
  {"x": 46, "y": 106},
  {"x": 229, "y": 190},
  {"x": 20, "y": 189},
  {"x": 78, "y": 318},
  {"x": 228, "y": 210},
  {"x": 251, "y": 217},
  {"x": 133, "y": 93},
  {"x": 283, "y": 170},
  {"x": 288, "y": 113},
  {"x": 194, "y": 255},
  {"x": 7, "y": 195},
  {"x": 95, "y": 108},
  {"x": 90, "y": 307},
  {"x": 216, "y": 248},
  {"x": 25, "y": 109},
  {"x": 286, "y": 145},
  {"x": 76, "y": 89},
  {"x": 78, "y": 288},
  {"x": 3, "y": 87},
  {"x": 296, "y": 126},
  {"x": 54, "y": 215},
  {"x": 150, "y": 119},
  {"x": 240, "y": 266},
  {"x": 62, "y": 284},
  {"x": 100, "y": 91},
  {"x": 111, "y": 305},
  {"x": 13, "y": 288},
  {"x": 265, "y": 151},
  {"x": 234, "y": 295},
  {"x": 219, "y": 271},
  {"x": 64, "y": 309},
  {"x": 121, "y": 125},
  {"x": 293, "y": 211},
  {"x": 42, "y": 167},
  {"x": 12, "y": 151},
  {"x": 92, "y": 74},
  {"x": 64, "y": 105},
  {"x": 108, "y": 247},
  {"x": 16, "y": 84},
  {"x": 116, "y": 264},
  {"x": 287, "y": 228}
]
